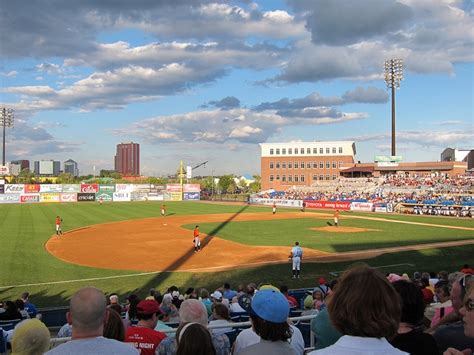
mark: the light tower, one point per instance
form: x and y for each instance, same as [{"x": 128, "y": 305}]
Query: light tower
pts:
[
  {"x": 6, "y": 120},
  {"x": 393, "y": 76}
]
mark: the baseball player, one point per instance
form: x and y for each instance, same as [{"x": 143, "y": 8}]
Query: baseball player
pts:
[
  {"x": 336, "y": 217},
  {"x": 196, "y": 240},
  {"x": 58, "y": 225},
  {"x": 295, "y": 256},
  {"x": 274, "y": 208},
  {"x": 163, "y": 210}
]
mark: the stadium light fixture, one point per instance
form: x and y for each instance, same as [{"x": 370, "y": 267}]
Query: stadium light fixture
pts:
[
  {"x": 393, "y": 77},
  {"x": 7, "y": 116}
]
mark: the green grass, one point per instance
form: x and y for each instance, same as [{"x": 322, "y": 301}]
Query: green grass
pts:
[
  {"x": 278, "y": 232},
  {"x": 25, "y": 228}
]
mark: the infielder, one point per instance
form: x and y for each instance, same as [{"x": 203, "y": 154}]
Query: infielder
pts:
[
  {"x": 296, "y": 255},
  {"x": 163, "y": 210},
  {"x": 58, "y": 225},
  {"x": 336, "y": 217},
  {"x": 196, "y": 240},
  {"x": 274, "y": 208}
]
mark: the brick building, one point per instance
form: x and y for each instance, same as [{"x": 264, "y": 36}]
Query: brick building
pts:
[
  {"x": 284, "y": 165},
  {"x": 127, "y": 159}
]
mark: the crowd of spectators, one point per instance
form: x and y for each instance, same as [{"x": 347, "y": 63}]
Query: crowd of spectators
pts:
[
  {"x": 362, "y": 311},
  {"x": 429, "y": 190}
]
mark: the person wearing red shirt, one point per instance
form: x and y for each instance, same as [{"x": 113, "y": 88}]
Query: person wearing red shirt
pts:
[
  {"x": 143, "y": 336},
  {"x": 196, "y": 240},
  {"x": 58, "y": 225}
]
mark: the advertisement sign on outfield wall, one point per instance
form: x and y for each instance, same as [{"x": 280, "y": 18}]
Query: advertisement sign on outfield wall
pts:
[
  {"x": 30, "y": 198},
  {"x": 104, "y": 196},
  {"x": 89, "y": 188},
  {"x": 270, "y": 202},
  {"x": 362, "y": 206},
  {"x": 138, "y": 196},
  {"x": 49, "y": 197},
  {"x": 71, "y": 188},
  {"x": 2, "y": 189},
  {"x": 121, "y": 196},
  {"x": 173, "y": 196},
  {"x": 329, "y": 205},
  {"x": 68, "y": 197},
  {"x": 173, "y": 187},
  {"x": 85, "y": 197},
  {"x": 154, "y": 196},
  {"x": 123, "y": 188},
  {"x": 14, "y": 188},
  {"x": 107, "y": 188},
  {"x": 50, "y": 188},
  {"x": 191, "y": 196},
  {"x": 9, "y": 198},
  {"x": 191, "y": 188},
  {"x": 31, "y": 188}
]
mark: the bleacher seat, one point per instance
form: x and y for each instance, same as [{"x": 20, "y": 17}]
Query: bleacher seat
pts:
[{"x": 239, "y": 316}]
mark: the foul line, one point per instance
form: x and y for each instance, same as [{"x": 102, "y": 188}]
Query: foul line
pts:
[
  {"x": 335, "y": 273},
  {"x": 82, "y": 280}
]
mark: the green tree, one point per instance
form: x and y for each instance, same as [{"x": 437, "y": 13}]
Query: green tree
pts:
[
  {"x": 65, "y": 178},
  {"x": 242, "y": 185},
  {"x": 26, "y": 177},
  {"x": 225, "y": 182},
  {"x": 256, "y": 185}
]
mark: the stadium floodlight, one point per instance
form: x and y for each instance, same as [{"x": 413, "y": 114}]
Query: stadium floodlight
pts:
[
  {"x": 393, "y": 76},
  {"x": 6, "y": 120}
]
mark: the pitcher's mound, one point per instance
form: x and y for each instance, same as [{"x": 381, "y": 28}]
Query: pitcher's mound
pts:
[{"x": 340, "y": 229}]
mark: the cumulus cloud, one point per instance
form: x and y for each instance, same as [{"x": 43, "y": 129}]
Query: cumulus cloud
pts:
[
  {"x": 225, "y": 103},
  {"x": 369, "y": 95}
]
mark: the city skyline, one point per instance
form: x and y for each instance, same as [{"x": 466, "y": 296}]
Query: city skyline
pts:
[{"x": 210, "y": 80}]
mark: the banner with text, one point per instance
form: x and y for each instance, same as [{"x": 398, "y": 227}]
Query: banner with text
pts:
[
  {"x": 329, "y": 205},
  {"x": 362, "y": 206},
  {"x": 9, "y": 198},
  {"x": 68, "y": 197},
  {"x": 121, "y": 196},
  {"x": 50, "y": 188},
  {"x": 85, "y": 197},
  {"x": 31, "y": 188},
  {"x": 71, "y": 188},
  {"x": 14, "y": 188},
  {"x": 49, "y": 197},
  {"x": 30, "y": 198}
]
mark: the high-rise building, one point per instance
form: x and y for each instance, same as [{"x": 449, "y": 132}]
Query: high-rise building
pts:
[
  {"x": 284, "y": 165},
  {"x": 47, "y": 167},
  {"x": 70, "y": 166},
  {"x": 24, "y": 164},
  {"x": 127, "y": 159}
]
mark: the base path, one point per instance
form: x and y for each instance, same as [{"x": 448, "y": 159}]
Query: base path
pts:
[{"x": 162, "y": 244}]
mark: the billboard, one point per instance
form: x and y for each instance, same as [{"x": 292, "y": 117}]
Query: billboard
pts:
[
  {"x": 191, "y": 196},
  {"x": 138, "y": 196},
  {"x": 329, "y": 205},
  {"x": 14, "y": 188},
  {"x": 121, "y": 196},
  {"x": 85, "y": 196},
  {"x": 9, "y": 198},
  {"x": 362, "y": 206},
  {"x": 104, "y": 196},
  {"x": 30, "y": 198},
  {"x": 49, "y": 197},
  {"x": 71, "y": 188},
  {"x": 4, "y": 170},
  {"x": 106, "y": 188},
  {"x": 388, "y": 159},
  {"x": 173, "y": 187},
  {"x": 68, "y": 197},
  {"x": 31, "y": 188},
  {"x": 89, "y": 188},
  {"x": 50, "y": 188},
  {"x": 191, "y": 188},
  {"x": 173, "y": 196},
  {"x": 123, "y": 188}
]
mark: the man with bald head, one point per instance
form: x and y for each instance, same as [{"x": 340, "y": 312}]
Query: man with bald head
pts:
[{"x": 87, "y": 314}]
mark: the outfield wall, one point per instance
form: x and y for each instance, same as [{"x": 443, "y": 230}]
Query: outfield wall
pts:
[{"x": 64, "y": 193}]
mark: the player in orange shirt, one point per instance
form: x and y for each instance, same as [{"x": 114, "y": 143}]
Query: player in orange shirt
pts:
[
  {"x": 196, "y": 240},
  {"x": 58, "y": 225}
]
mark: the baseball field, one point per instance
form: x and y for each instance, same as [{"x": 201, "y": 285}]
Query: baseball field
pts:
[{"x": 128, "y": 247}]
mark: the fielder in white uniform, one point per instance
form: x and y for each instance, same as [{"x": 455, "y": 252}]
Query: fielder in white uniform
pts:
[{"x": 296, "y": 256}]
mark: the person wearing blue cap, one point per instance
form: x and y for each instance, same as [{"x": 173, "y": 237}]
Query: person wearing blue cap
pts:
[{"x": 269, "y": 311}]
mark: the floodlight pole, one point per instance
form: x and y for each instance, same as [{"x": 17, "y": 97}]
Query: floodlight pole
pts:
[
  {"x": 393, "y": 76},
  {"x": 6, "y": 120}
]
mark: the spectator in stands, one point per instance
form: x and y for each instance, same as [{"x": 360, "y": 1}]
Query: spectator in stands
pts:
[
  {"x": 163, "y": 318},
  {"x": 366, "y": 309},
  {"x": 11, "y": 311},
  {"x": 206, "y": 301},
  {"x": 21, "y": 308},
  {"x": 451, "y": 335},
  {"x": 114, "y": 328},
  {"x": 144, "y": 336},
  {"x": 220, "y": 316},
  {"x": 194, "y": 311},
  {"x": 194, "y": 339},
  {"x": 318, "y": 298},
  {"x": 235, "y": 306},
  {"x": 131, "y": 309},
  {"x": 425, "y": 290},
  {"x": 228, "y": 292},
  {"x": 269, "y": 312},
  {"x": 308, "y": 305},
  {"x": 65, "y": 331},
  {"x": 467, "y": 312},
  {"x": 190, "y": 293},
  {"x": 291, "y": 300},
  {"x": 216, "y": 297},
  {"x": 410, "y": 336},
  {"x": 466, "y": 269},
  {"x": 325, "y": 334},
  {"x": 29, "y": 307},
  {"x": 30, "y": 337},
  {"x": 87, "y": 316},
  {"x": 443, "y": 307}
]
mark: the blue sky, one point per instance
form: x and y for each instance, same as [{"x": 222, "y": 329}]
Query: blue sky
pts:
[{"x": 209, "y": 80}]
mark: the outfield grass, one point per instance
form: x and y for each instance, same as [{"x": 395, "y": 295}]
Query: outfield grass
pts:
[{"x": 25, "y": 228}]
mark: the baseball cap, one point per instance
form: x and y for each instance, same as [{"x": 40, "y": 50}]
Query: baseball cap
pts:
[
  {"x": 148, "y": 307},
  {"x": 270, "y": 305},
  {"x": 217, "y": 295},
  {"x": 268, "y": 287}
]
